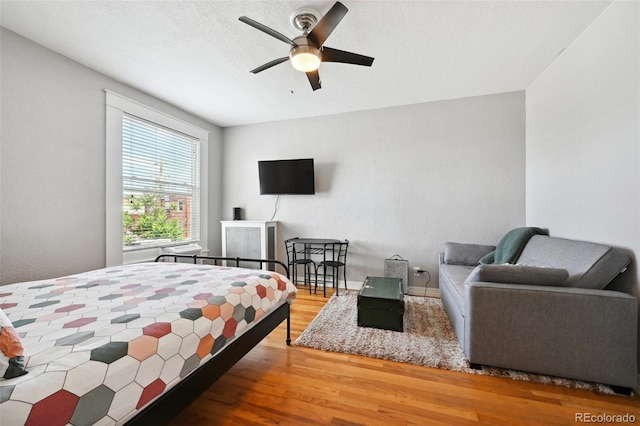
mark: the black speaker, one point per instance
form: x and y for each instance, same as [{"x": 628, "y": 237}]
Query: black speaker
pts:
[{"x": 237, "y": 213}]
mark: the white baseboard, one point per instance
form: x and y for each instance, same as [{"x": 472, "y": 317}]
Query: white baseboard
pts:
[
  {"x": 354, "y": 285},
  {"x": 421, "y": 291}
]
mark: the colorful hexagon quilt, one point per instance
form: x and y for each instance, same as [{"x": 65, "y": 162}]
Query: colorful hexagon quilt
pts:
[{"x": 101, "y": 345}]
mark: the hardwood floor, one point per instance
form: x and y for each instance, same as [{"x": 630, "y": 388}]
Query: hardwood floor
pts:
[{"x": 276, "y": 384}]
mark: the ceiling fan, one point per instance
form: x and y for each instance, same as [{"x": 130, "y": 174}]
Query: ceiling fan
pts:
[{"x": 308, "y": 50}]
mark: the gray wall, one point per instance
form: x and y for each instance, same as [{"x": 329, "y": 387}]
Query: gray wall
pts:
[
  {"x": 583, "y": 138},
  {"x": 399, "y": 180},
  {"x": 52, "y": 162}
]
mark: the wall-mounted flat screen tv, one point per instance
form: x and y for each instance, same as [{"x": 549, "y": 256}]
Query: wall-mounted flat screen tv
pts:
[{"x": 286, "y": 176}]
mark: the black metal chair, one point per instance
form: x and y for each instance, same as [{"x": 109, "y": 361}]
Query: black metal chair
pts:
[
  {"x": 296, "y": 255},
  {"x": 337, "y": 260}
]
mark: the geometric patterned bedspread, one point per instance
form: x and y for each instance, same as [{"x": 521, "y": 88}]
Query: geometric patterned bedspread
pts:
[{"x": 101, "y": 345}]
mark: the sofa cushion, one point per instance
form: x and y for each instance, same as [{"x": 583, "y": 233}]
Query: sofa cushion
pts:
[
  {"x": 589, "y": 265},
  {"x": 519, "y": 274},
  {"x": 465, "y": 254}
]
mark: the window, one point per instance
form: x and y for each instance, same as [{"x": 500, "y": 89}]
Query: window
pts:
[
  {"x": 156, "y": 178},
  {"x": 160, "y": 176}
]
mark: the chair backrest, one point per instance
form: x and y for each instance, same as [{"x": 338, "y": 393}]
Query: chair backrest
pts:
[
  {"x": 290, "y": 247},
  {"x": 339, "y": 250}
]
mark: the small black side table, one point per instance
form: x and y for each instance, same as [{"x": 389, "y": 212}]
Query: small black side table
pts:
[{"x": 381, "y": 304}]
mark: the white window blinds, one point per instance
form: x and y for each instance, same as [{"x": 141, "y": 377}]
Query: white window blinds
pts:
[{"x": 160, "y": 171}]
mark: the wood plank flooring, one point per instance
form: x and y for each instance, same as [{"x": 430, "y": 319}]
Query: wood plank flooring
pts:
[{"x": 276, "y": 384}]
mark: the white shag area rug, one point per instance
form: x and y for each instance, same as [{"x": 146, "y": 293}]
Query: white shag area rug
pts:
[{"x": 428, "y": 340}]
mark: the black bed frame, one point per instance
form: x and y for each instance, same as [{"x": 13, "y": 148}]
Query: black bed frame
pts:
[{"x": 163, "y": 409}]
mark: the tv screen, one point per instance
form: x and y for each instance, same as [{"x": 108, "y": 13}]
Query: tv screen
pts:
[{"x": 286, "y": 176}]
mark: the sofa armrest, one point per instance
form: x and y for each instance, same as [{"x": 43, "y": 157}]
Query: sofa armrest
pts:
[
  {"x": 465, "y": 254},
  {"x": 589, "y": 334}
]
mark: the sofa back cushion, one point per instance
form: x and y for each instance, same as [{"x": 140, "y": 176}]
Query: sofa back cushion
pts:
[{"x": 589, "y": 265}]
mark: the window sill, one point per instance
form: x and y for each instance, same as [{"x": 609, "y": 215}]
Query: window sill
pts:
[{"x": 148, "y": 254}]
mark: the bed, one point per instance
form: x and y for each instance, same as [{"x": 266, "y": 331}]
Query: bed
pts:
[{"x": 133, "y": 344}]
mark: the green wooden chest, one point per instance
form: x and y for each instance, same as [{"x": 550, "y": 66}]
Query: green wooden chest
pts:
[{"x": 381, "y": 304}]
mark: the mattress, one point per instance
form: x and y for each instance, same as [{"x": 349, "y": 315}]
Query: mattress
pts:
[{"x": 100, "y": 346}]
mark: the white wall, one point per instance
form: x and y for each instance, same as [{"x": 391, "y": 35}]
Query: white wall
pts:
[
  {"x": 394, "y": 181},
  {"x": 583, "y": 135},
  {"x": 583, "y": 138},
  {"x": 398, "y": 180},
  {"x": 52, "y": 162}
]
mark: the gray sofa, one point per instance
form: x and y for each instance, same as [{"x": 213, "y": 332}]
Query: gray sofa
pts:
[{"x": 549, "y": 313}]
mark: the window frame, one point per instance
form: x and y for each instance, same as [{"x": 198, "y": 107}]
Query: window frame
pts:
[{"x": 116, "y": 107}]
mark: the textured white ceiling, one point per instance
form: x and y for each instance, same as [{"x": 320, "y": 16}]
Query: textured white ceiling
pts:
[{"x": 197, "y": 54}]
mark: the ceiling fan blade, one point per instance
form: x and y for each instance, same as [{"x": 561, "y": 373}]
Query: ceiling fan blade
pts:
[
  {"x": 270, "y": 64},
  {"x": 314, "y": 79},
  {"x": 267, "y": 30},
  {"x": 335, "y": 55},
  {"x": 327, "y": 24}
]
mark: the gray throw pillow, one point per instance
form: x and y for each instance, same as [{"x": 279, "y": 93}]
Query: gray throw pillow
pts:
[
  {"x": 519, "y": 274},
  {"x": 465, "y": 254}
]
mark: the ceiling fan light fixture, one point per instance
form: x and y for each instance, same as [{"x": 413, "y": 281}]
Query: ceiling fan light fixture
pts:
[
  {"x": 308, "y": 50},
  {"x": 305, "y": 58}
]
